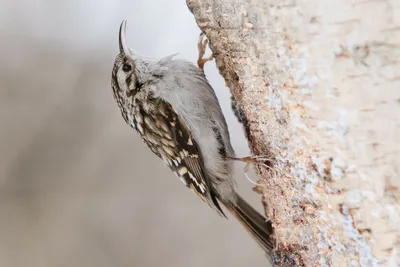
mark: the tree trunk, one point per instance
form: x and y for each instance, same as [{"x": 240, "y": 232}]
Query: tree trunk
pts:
[{"x": 317, "y": 87}]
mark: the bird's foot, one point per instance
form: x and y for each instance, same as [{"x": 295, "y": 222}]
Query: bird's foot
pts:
[
  {"x": 202, "y": 46},
  {"x": 253, "y": 160}
]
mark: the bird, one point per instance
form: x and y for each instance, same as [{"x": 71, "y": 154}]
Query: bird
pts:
[{"x": 175, "y": 111}]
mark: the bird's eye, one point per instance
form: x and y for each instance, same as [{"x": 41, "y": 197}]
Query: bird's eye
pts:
[{"x": 126, "y": 67}]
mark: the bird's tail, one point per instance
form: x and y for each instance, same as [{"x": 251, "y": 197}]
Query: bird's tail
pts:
[{"x": 256, "y": 224}]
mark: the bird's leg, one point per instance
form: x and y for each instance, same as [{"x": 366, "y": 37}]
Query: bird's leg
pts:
[
  {"x": 256, "y": 160},
  {"x": 253, "y": 160},
  {"x": 202, "y": 46}
]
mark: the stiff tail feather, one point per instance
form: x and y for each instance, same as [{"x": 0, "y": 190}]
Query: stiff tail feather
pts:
[{"x": 256, "y": 224}]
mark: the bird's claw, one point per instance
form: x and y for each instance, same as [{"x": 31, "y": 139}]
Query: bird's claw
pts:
[
  {"x": 252, "y": 160},
  {"x": 202, "y": 47},
  {"x": 256, "y": 160}
]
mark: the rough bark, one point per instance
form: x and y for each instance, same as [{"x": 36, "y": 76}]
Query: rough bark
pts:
[{"x": 317, "y": 86}]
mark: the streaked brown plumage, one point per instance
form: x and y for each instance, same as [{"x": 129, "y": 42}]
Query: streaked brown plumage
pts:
[{"x": 175, "y": 111}]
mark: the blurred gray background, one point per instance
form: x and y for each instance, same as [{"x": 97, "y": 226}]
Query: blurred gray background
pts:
[{"x": 77, "y": 185}]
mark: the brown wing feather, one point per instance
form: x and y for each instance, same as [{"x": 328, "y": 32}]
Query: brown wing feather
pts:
[{"x": 174, "y": 143}]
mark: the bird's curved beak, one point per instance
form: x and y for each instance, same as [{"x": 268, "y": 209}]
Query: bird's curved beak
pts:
[{"x": 123, "y": 45}]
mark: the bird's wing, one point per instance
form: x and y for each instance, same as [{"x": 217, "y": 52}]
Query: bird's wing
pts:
[{"x": 182, "y": 153}]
